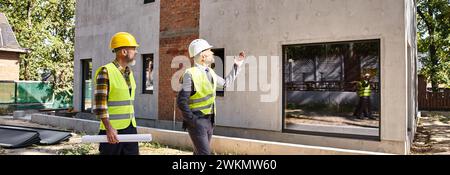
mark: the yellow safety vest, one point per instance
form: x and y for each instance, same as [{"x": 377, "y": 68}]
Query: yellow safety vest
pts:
[
  {"x": 120, "y": 102},
  {"x": 204, "y": 98},
  {"x": 364, "y": 91}
]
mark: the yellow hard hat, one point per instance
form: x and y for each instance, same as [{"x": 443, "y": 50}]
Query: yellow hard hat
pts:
[{"x": 123, "y": 39}]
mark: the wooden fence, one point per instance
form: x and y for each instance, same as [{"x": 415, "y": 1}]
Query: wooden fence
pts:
[{"x": 436, "y": 101}]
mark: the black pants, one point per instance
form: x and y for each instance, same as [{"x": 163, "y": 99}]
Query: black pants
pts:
[
  {"x": 201, "y": 132},
  {"x": 363, "y": 107},
  {"x": 131, "y": 148}
]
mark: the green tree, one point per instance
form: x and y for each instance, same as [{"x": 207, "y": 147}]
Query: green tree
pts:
[
  {"x": 434, "y": 40},
  {"x": 46, "y": 27}
]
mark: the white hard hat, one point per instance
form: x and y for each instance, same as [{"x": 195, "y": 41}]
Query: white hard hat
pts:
[{"x": 197, "y": 46}]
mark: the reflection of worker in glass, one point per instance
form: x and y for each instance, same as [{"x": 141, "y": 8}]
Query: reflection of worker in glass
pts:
[
  {"x": 149, "y": 80},
  {"x": 364, "y": 92}
]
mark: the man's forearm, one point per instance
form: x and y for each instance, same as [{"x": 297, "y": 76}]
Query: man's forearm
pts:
[
  {"x": 231, "y": 77},
  {"x": 106, "y": 122}
]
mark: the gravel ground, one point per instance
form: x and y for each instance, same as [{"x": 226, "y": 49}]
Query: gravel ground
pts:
[
  {"x": 433, "y": 134},
  {"x": 73, "y": 146},
  {"x": 432, "y": 138}
]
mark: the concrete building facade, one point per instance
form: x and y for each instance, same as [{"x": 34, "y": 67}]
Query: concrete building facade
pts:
[{"x": 263, "y": 28}]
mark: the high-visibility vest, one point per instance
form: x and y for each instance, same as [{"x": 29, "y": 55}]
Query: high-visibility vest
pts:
[
  {"x": 205, "y": 96},
  {"x": 364, "y": 91},
  {"x": 120, "y": 102}
]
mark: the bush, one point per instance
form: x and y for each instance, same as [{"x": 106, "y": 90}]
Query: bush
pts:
[
  {"x": 155, "y": 145},
  {"x": 83, "y": 149},
  {"x": 6, "y": 110}
]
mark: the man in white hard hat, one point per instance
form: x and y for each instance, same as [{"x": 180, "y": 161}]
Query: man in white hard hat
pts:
[{"x": 197, "y": 97}]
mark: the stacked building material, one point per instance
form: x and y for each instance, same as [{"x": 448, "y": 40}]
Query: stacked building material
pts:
[{"x": 19, "y": 137}]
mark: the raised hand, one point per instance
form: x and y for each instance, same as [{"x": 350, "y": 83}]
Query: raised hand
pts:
[{"x": 240, "y": 59}]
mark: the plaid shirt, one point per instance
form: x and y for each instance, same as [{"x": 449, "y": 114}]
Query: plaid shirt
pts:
[{"x": 100, "y": 107}]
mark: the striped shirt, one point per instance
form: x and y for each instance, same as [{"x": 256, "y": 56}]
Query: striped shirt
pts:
[{"x": 100, "y": 107}]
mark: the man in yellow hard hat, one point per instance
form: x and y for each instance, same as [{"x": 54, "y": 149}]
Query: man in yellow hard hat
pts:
[
  {"x": 114, "y": 96},
  {"x": 197, "y": 97}
]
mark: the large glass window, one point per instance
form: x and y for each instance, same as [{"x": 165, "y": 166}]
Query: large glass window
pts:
[
  {"x": 332, "y": 88},
  {"x": 86, "y": 87}
]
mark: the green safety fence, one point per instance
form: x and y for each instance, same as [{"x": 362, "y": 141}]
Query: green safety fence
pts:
[{"x": 32, "y": 95}]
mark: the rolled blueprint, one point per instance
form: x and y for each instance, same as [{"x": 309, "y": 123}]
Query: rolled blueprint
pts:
[{"x": 122, "y": 138}]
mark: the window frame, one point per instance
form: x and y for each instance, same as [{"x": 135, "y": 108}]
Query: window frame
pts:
[
  {"x": 144, "y": 75},
  {"x": 328, "y": 134},
  {"x": 84, "y": 74},
  {"x": 149, "y": 1},
  {"x": 220, "y": 93}
]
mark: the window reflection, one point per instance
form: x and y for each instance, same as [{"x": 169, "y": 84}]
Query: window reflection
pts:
[{"x": 333, "y": 84}]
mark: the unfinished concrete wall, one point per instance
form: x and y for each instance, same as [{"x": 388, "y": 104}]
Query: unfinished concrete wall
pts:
[
  {"x": 9, "y": 66},
  {"x": 263, "y": 26},
  {"x": 97, "y": 21},
  {"x": 411, "y": 60}
]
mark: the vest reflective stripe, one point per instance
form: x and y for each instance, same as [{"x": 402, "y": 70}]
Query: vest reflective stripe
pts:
[
  {"x": 202, "y": 103},
  {"x": 120, "y": 101},
  {"x": 204, "y": 98},
  {"x": 202, "y": 108},
  {"x": 119, "y": 116},
  {"x": 364, "y": 91},
  {"x": 201, "y": 99}
]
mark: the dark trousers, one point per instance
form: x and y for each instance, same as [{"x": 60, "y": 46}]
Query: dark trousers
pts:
[
  {"x": 363, "y": 107},
  {"x": 131, "y": 148},
  {"x": 200, "y": 133}
]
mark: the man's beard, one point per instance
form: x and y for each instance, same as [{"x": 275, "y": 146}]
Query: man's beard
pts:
[{"x": 132, "y": 63}]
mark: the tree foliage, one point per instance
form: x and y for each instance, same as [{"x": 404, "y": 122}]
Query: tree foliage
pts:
[
  {"x": 46, "y": 28},
  {"x": 434, "y": 40}
]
